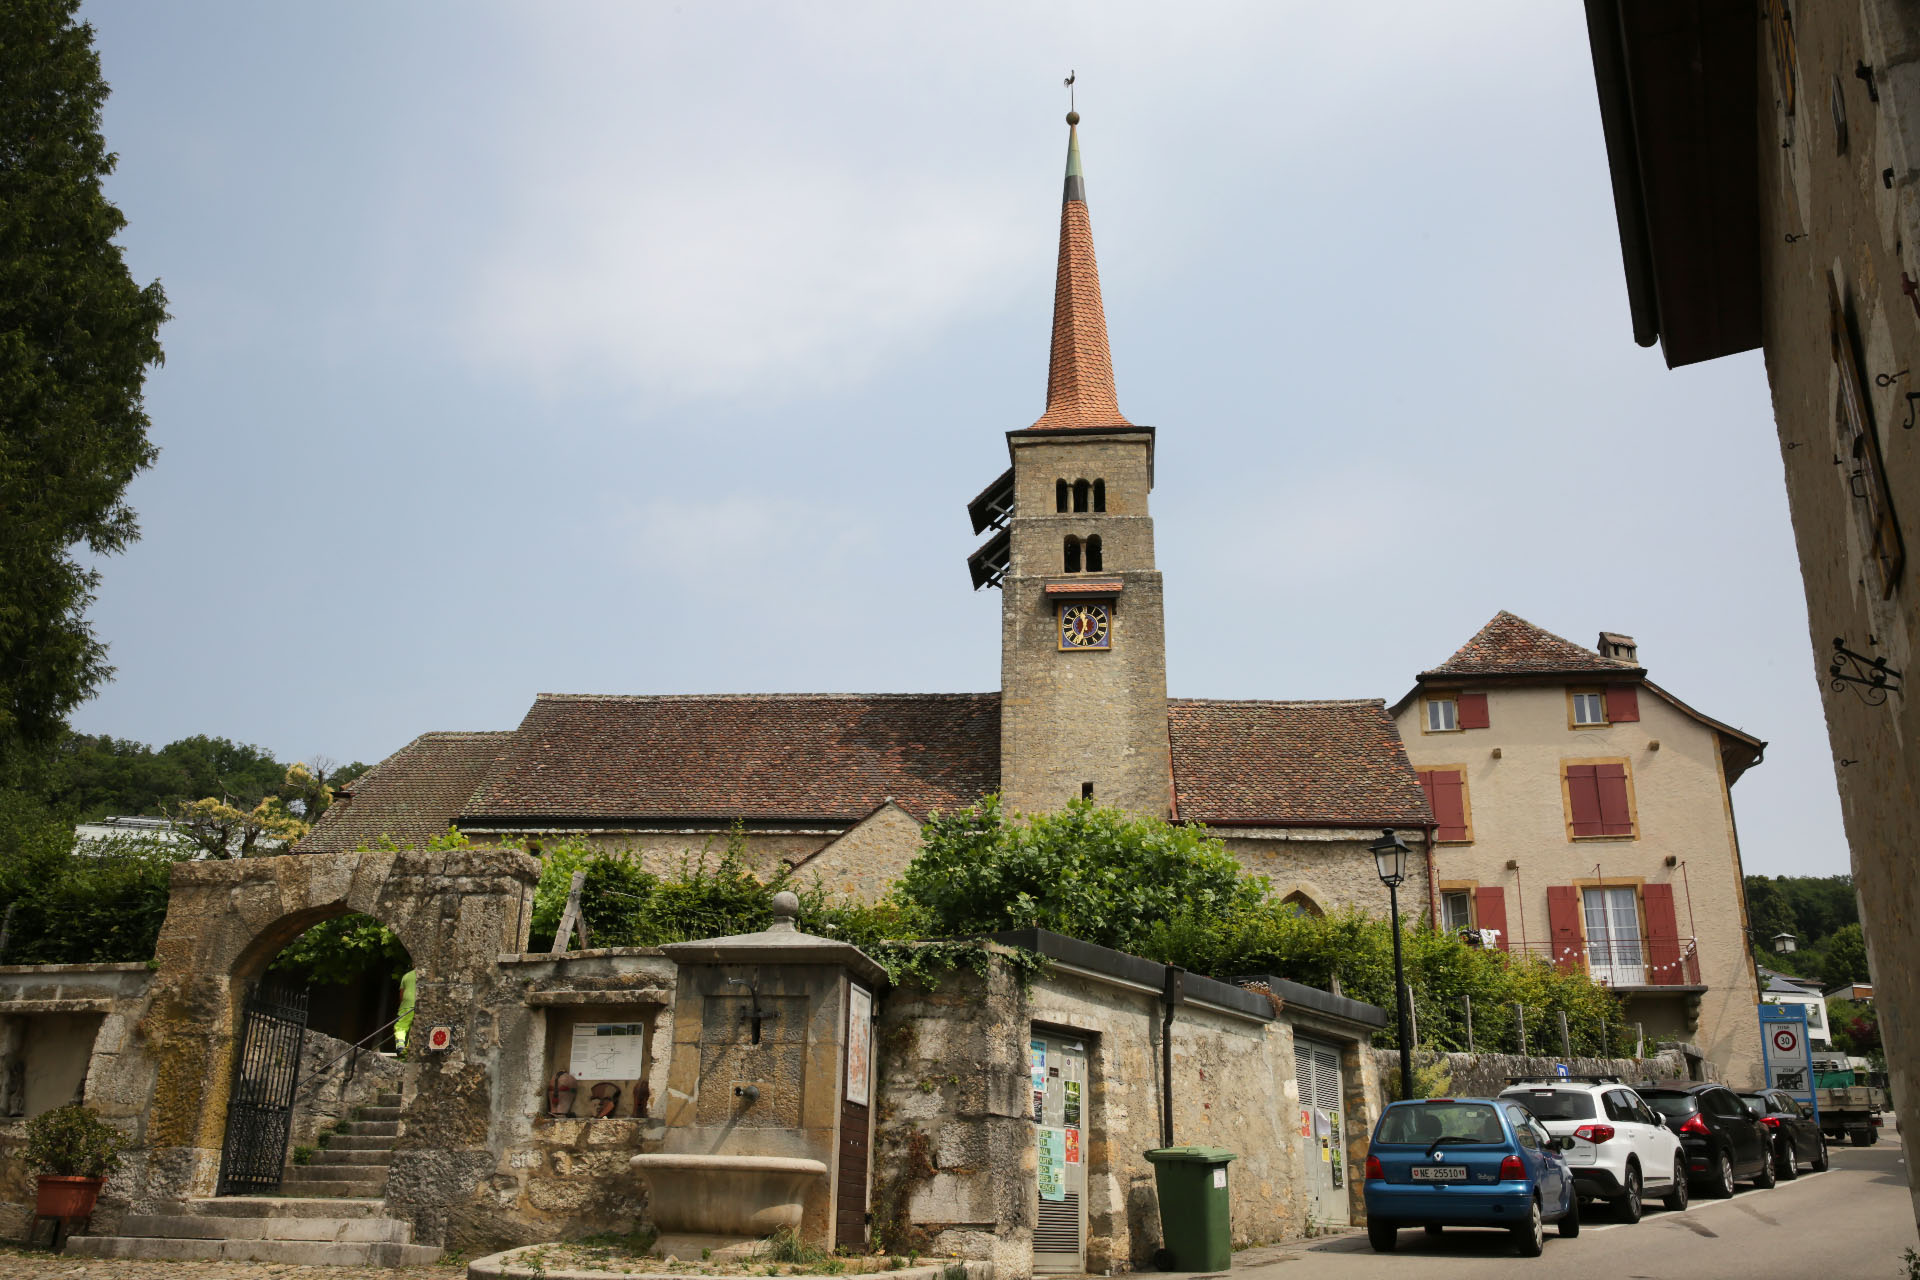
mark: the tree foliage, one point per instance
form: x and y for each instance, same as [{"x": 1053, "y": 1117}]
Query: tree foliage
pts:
[
  {"x": 1174, "y": 894},
  {"x": 343, "y": 950},
  {"x": 77, "y": 337},
  {"x": 1845, "y": 957},
  {"x": 65, "y": 904}
]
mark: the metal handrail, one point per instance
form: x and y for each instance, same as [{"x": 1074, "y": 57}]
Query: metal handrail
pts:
[{"x": 353, "y": 1051}]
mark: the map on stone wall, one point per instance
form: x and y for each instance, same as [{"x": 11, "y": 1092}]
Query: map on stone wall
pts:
[{"x": 609, "y": 1051}]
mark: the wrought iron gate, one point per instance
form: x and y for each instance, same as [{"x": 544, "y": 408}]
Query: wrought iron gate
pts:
[{"x": 260, "y": 1109}]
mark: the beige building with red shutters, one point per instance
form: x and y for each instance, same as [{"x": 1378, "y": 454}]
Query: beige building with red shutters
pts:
[{"x": 1583, "y": 813}]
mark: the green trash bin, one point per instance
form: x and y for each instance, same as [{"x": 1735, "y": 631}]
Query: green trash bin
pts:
[{"x": 1196, "y": 1220}]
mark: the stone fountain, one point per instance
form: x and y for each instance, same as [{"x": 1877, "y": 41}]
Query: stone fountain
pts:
[{"x": 768, "y": 1111}]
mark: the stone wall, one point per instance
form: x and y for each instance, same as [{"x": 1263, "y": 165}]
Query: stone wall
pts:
[
  {"x": 333, "y": 1081},
  {"x": 563, "y": 1177},
  {"x": 1330, "y": 867},
  {"x": 1484, "y": 1075},
  {"x": 1855, "y": 214},
  {"x": 65, "y": 1032},
  {"x": 954, "y": 1157},
  {"x": 1092, "y": 716}
]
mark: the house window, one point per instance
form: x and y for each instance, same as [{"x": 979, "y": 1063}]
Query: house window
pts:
[
  {"x": 1443, "y": 715},
  {"x": 1615, "y": 952},
  {"x": 1446, "y": 791},
  {"x": 1598, "y": 799},
  {"x": 1589, "y": 709},
  {"x": 1299, "y": 904},
  {"x": 1456, "y": 909}
]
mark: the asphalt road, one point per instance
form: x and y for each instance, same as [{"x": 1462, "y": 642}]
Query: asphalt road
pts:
[{"x": 1850, "y": 1223}]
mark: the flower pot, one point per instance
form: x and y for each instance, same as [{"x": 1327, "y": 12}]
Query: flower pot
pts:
[{"x": 61, "y": 1196}]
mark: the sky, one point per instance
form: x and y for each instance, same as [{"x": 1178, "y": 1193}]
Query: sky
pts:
[{"x": 657, "y": 348}]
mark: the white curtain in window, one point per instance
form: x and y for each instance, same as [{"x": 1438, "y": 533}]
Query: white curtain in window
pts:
[{"x": 1614, "y": 954}]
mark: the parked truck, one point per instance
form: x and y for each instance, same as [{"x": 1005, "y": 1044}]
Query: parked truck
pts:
[{"x": 1849, "y": 1106}]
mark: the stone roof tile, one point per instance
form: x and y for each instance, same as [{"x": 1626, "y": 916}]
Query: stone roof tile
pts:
[
  {"x": 410, "y": 797},
  {"x": 1510, "y": 645},
  {"x": 1323, "y": 763}
]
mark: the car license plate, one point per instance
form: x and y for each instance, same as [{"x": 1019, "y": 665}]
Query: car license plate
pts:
[{"x": 1440, "y": 1173}]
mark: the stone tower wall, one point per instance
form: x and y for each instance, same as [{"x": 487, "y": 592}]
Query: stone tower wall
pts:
[{"x": 1070, "y": 718}]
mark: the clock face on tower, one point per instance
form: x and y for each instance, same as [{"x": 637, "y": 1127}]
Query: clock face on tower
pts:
[{"x": 1086, "y": 626}]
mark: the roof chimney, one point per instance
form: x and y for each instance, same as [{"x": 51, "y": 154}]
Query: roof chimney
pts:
[{"x": 1614, "y": 645}]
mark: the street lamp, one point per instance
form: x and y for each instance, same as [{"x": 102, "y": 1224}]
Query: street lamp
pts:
[
  {"x": 1783, "y": 943},
  {"x": 1390, "y": 859}
]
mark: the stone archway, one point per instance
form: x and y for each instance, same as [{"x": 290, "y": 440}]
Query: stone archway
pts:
[{"x": 455, "y": 912}]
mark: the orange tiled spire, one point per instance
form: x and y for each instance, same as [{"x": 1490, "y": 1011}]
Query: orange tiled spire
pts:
[{"x": 1080, "y": 377}]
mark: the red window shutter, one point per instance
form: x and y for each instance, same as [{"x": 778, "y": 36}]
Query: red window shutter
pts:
[
  {"x": 1447, "y": 793},
  {"x": 1490, "y": 911},
  {"x": 1426, "y": 785},
  {"x": 1616, "y": 816},
  {"x": 1663, "y": 935},
  {"x": 1583, "y": 798},
  {"x": 1563, "y": 921},
  {"x": 1473, "y": 711},
  {"x": 1623, "y": 703}
]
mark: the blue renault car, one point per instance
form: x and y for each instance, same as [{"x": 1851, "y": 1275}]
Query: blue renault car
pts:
[{"x": 1467, "y": 1162}]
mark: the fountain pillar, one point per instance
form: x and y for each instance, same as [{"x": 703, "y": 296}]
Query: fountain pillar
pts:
[{"x": 769, "y": 1119}]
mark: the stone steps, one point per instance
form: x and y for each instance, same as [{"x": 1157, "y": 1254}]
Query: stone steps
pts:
[
  {"x": 326, "y": 1230},
  {"x": 310, "y": 1253},
  {"x": 283, "y": 1207},
  {"x": 332, "y": 1154},
  {"x": 272, "y": 1229},
  {"x": 344, "y": 1141},
  {"x": 329, "y": 1183}
]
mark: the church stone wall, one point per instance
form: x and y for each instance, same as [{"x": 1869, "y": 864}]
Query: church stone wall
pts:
[
  {"x": 866, "y": 861},
  {"x": 1331, "y": 867}
]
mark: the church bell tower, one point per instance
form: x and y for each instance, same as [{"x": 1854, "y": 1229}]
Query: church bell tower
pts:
[{"x": 1083, "y": 673}]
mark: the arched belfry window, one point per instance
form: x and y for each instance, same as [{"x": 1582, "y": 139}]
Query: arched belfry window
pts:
[
  {"x": 1073, "y": 554},
  {"x": 1093, "y": 554},
  {"x": 1080, "y": 491},
  {"x": 1099, "y": 495},
  {"x": 1059, "y": 495}
]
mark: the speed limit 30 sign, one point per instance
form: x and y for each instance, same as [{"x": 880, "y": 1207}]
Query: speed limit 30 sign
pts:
[{"x": 1786, "y": 1039}]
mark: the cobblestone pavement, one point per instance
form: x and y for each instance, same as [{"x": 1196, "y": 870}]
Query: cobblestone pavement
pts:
[{"x": 36, "y": 1264}]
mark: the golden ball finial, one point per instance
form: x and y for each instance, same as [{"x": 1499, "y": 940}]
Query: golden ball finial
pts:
[{"x": 1073, "y": 117}]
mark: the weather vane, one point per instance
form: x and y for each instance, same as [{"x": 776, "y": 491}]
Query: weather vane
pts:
[{"x": 1069, "y": 83}]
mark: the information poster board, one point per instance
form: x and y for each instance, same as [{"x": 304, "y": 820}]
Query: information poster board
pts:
[
  {"x": 1052, "y": 1145},
  {"x": 609, "y": 1051},
  {"x": 859, "y": 1044}
]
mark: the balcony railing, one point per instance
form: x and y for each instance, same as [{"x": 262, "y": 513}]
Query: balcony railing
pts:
[{"x": 1629, "y": 963}]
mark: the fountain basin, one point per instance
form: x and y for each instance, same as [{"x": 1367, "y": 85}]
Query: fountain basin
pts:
[{"x": 740, "y": 1197}]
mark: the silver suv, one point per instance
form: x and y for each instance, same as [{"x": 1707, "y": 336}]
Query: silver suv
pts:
[{"x": 1621, "y": 1148}]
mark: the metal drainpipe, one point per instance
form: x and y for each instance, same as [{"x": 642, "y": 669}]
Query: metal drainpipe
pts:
[
  {"x": 1433, "y": 886},
  {"x": 1175, "y": 993}
]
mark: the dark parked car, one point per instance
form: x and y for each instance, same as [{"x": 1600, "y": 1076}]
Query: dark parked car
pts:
[
  {"x": 1724, "y": 1141},
  {"x": 1797, "y": 1139}
]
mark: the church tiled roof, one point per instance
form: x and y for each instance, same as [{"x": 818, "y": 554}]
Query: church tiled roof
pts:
[
  {"x": 585, "y": 760},
  {"x": 411, "y": 796},
  {"x": 1511, "y": 645},
  {"x": 1332, "y": 763},
  {"x": 758, "y": 757}
]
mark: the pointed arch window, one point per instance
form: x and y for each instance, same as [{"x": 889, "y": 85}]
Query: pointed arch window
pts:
[
  {"x": 1073, "y": 554},
  {"x": 1300, "y": 904},
  {"x": 1081, "y": 491},
  {"x": 1099, "y": 495},
  {"x": 1093, "y": 554},
  {"x": 1059, "y": 495}
]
